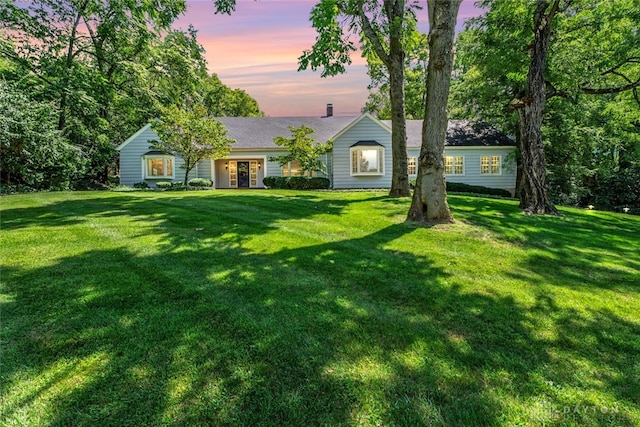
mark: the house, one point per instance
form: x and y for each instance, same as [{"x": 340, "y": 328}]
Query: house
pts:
[{"x": 476, "y": 153}]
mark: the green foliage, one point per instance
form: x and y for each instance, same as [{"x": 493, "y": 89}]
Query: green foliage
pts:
[
  {"x": 141, "y": 185},
  {"x": 302, "y": 147},
  {"x": 191, "y": 134},
  {"x": 459, "y": 187},
  {"x": 297, "y": 182},
  {"x": 416, "y": 48},
  {"x": 587, "y": 134},
  {"x": 33, "y": 154},
  {"x": 163, "y": 185},
  {"x": 106, "y": 69},
  {"x": 200, "y": 182}
]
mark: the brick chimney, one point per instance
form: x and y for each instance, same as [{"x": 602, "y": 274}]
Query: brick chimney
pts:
[{"x": 329, "y": 110}]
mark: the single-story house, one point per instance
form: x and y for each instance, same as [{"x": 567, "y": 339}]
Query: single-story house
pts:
[{"x": 476, "y": 153}]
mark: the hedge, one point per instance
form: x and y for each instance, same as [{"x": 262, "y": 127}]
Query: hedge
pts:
[
  {"x": 458, "y": 187},
  {"x": 296, "y": 182}
]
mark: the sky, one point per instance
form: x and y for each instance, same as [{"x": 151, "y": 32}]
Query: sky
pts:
[{"x": 256, "y": 49}]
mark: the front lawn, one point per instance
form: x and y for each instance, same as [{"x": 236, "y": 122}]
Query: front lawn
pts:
[{"x": 314, "y": 308}]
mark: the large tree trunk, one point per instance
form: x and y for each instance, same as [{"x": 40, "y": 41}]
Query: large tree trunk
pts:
[
  {"x": 394, "y": 62},
  {"x": 534, "y": 198},
  {"x": 429, "y": 203},
  {"x": 400, "y": 174}
]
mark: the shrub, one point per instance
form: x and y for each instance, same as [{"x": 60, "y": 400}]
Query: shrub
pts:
[
  {"x": 476, "y": 189},
  {"x": 296, "y": 182},
  {"x": 317, "y": 183},
  {"x": 269, "y": 181},
  {"x": 141, "y": 185},
  {"x": 458, "y": 187},
  {"x": 163, "y": 185},
  {"x": 200, "y": 182},
  {"x": 178, "y": 185}
]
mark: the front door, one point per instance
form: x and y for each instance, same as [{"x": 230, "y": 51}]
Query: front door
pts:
[{"x": 243, "y": 174}]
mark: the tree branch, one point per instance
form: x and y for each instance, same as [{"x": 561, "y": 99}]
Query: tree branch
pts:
[{"x": 371, "y": 34}]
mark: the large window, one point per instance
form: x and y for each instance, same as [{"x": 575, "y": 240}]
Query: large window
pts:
[
  {"x": 454, "y": 165},
  {"x": 367, "y": 160},
  {"x": 158, "y": 166},
  {"x": 293, "y": 169},
  {"x": 412, "y": 165},
  {"x": 491, "y": 165}
]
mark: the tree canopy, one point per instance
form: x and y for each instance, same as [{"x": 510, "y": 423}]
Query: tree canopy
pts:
[
  {"x": 302, "y": 147},
  {"x": 191, "y": 134},
  {"x": 107, "y": 68}
]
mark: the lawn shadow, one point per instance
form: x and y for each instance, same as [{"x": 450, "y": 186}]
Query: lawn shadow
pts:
[
  {"x": 557, "y": 254},
  {"x": 209, "y": 332}
]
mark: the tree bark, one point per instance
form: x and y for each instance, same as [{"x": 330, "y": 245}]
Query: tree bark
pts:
[
  {"x": 400, "y": 173},
  {"x": 534, "y": 197},
  {"x": 429, "y": 203},
  {"x": 394, "y": 62}
]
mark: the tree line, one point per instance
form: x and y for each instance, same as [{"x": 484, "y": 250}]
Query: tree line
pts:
[
  {"x": 78, "y": 77},
  {"x": 562, "y": 76}
]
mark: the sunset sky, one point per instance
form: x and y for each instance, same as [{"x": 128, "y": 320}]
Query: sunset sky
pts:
[{"x": 257, "y": 48}]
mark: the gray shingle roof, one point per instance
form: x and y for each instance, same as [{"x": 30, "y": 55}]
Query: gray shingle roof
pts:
[
  {"x": 259, "y": 132},
  {"x": 460, "y": 133}
]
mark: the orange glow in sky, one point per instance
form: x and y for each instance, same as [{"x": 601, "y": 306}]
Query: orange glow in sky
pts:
[{"x": 257, "y": 48}]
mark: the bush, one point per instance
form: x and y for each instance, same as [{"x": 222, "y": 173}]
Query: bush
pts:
[
  {"x": 296, "y": 182},
  {"x": 200, "y": 182},
  {"x": 163, "y": 185},
  {"x": 318, "y": 183},
  {"x": 269, "y": 181},
  {"x": 141, "y": 185},
  {"x": 458, "y": 187},
  {"x": 178, "y": 185}
]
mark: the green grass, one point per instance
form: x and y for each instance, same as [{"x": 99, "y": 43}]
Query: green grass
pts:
[{"x": 293, "y": 308}]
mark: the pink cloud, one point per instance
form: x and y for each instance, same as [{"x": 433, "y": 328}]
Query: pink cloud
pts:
[{"x": 257, "y": 48}]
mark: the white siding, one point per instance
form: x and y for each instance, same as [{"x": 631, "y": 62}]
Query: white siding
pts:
[
  {"x": 506, "y": 180},
  {"x": 365, "y": 130},
  {"x": 131, "y": 163}
]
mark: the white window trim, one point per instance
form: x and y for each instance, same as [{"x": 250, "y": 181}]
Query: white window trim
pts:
[
  {"x": 490, "y": 173},
  {"x": 164, "y": 157},
  {"x": 464, "y": 165},
  {"x": 380, "y": 160},
  {"x": 416, "y": 165}
]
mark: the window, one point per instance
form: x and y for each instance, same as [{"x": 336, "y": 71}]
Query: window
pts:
[
  {"x": 367, "y": 160},
  {"x": 411, "y": 165},
  {"x": 454, "y": 165},
  {"x": 293, "y": 169},
  {"x": 233, "y": 174},
  {"x": 158, "y": 166},
  {"x": 491, "y": 165}
]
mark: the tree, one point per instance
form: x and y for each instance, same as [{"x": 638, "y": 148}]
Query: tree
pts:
[
  {"x": 33, "y": 153},
  {"x": 592, "y": 50},
  {"x": 302, "y": 147},
  {"x": 534, "y": 197},
  {"x": 191, "y": 134},
  {"x": 429, "y": 202},
  {"x": 382, "y": 28},
  {"x": 415, "y": 74}
]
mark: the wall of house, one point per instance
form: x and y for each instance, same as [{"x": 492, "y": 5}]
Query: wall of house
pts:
[
  {"x": 506, "y": 180},
  {"x": 365, "y": 130},
  {"x": 131, "y": 162}
]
